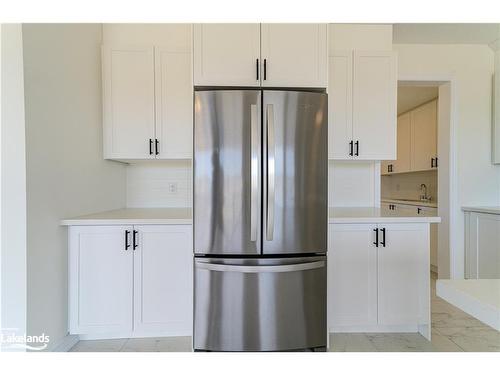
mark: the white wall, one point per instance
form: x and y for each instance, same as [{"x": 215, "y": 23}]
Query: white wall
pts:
[
  {"x": 66, "y": 173},
  {"x": 13, "y": 184},
  {"x": 360, "y": 36},
  {"x": 148, "y": 184},
  {"x": 470, "y": 67},
  {"x": 353, "y": 183},
  {"x": 175, "y": 36}
]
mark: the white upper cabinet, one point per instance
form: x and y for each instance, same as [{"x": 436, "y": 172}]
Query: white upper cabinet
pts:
[
  {"x": 270, "y": 55},
  {"x": 374, "y": 105},
  {"x": 294, "y": 55},
  {"x": 424, "y": 136},
  {"x": 147, "y": 103},
  {"x": 340, "y": 104},
  {"x": 362, "y": 105},
  {"x": 403, "y": 161},
  {"x": 416, "y": 141},
  {"x": 129, "y": 107},
  {"x": 226, "y": 54},
  {"x": 174, "y": 108}
]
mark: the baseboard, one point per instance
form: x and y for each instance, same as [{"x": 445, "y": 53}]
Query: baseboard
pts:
[
  {"x": 132, "y": 335},
  {"x": 407, "y": 328},
  {"x": 66, "y": 343}
]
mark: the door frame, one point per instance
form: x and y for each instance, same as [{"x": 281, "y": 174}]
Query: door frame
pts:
[{"x": 451, "y": 255}]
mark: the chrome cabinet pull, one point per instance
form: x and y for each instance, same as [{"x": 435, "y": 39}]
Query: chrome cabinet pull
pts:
[
  {"x": 254, "y": 172},
  {"x": 270, "y": 172}
]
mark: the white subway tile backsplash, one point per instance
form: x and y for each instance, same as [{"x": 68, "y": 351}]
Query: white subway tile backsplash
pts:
[
  {"x": 352, "y": 184},
  {"x": 148, "y": 184}
]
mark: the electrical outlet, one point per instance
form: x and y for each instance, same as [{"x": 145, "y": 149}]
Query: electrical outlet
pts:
[{"x": 172, "y": 187}]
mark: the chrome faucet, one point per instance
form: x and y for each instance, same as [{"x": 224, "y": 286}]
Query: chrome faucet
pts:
[{"x": 423, "y": 195}]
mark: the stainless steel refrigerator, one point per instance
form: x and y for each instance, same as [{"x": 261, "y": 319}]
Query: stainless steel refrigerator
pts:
[{"x": 260, "y": 220}]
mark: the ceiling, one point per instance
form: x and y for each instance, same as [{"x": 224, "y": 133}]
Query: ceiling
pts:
[
  {"x": 445, "y": 33},
  {"x": 410, "y": 97}
]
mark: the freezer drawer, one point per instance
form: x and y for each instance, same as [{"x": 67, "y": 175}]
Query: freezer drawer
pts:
[{"x": 260, "y": 304}]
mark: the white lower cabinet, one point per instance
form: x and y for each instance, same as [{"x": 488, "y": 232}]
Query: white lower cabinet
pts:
[
  {"x": 379, "y": 285},
  {"x": 402, "y": 265},
  {"x": 352, "y": 275},
  {"x": 100, "y": 280},
  {"x": 130, "y": 281},
  {"x": 163, "y": 279},
  {"x": 482, "y": 245}
]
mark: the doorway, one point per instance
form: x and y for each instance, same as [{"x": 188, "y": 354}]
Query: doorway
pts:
[{"x": 420, "y": 178}]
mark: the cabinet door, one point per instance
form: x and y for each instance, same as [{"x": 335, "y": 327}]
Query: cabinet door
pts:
[
  {"x": 374, "y": 104},
  {"x": 403, "y": 272},
  {"x": 488, "y": 246},
  {"x": 174, "y": 104},
  {"x": 129, "y": 108},
  {"x": 402, "y": 163},
  {"x": 163, "y": 280},
  {"x": 470, "y": 245},
  {"x": 100, "y": 280},
  {"x": 352, "y": 275},
  {"x": 340, "y": 105},
  {"x": 226, "y": 54},
  {"x": 424, "y": 136},
  {"x": 295, "y": 55}
]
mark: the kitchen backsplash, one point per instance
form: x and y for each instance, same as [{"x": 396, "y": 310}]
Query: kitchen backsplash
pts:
[
  {"x": 159, "y": 184},
  {"x": 352, "y": 184},
  {"x": 149, "y": 184},
  {"x": 407, "y": 185}
]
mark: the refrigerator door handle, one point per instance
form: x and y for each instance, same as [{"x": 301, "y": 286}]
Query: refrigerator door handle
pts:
[
  {"x": 260, "y": 269},
  {"x": 270, "y": 172},
  {"x": 254, "y": 173}
]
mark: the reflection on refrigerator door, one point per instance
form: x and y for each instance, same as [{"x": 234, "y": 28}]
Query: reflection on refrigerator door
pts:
[{"x": 260, "y": 304}]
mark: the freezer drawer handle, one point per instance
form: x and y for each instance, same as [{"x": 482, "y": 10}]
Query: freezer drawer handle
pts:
[
  {"x": 259, "y": 269},
  {"x": 270, "y": 172},
  {"x": 254, "y": 173}
]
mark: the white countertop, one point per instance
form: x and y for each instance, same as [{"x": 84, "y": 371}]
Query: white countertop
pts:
[
  {"x": 353, "y": 215},
  {"x": 129, "y": 216},
  {"x": 483, "y": 209},
  {"x": 411, "y": 203},
  {"x": 477, "y": 297}
]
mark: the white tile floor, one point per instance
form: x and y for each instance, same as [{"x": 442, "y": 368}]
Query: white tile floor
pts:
[{"x": 452, "y": 331}]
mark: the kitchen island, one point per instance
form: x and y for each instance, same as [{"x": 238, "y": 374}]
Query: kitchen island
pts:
[{"x": 378, "y": 270}]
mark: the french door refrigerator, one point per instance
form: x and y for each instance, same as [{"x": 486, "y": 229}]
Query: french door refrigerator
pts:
[{"x": 260, "y": 220}]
